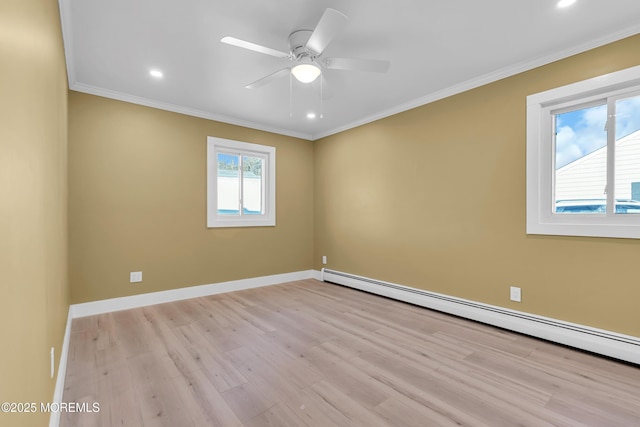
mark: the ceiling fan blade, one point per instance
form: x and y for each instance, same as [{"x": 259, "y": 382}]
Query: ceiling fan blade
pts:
[
  {"x": 254, "y": 47},
  {"x": 268, "y": 79},
  {"x": 331, "y": 23},
  {"x": 352, "y": 64}
]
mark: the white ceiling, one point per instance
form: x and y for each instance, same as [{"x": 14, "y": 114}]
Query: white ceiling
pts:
[{"x": 436, "y": 49}]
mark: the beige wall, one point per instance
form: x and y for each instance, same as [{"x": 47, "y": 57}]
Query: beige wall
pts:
[
  {"x": 137, "y": 202},
  {"x": 33, "y": 202},
  {"x": 435, "y": 198}
]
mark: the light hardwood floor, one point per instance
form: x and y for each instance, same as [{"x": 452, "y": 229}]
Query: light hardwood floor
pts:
[{"x": 309, "y": 353}]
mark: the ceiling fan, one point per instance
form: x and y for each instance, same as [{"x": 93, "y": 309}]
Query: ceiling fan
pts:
[{"x": 305, "y": 51}]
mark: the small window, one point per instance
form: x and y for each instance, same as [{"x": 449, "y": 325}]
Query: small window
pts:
[
  {"x": 241, "y": 184},
  {"x": 583, "y": 158}
]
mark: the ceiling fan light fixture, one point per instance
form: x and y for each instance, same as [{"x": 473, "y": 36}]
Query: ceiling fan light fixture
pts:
[{"x": 305, "y": 73}]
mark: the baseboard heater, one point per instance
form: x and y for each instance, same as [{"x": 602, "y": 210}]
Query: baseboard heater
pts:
[{"x": 611, "y": 344}]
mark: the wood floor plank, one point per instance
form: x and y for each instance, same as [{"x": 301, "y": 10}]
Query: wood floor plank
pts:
[
  {"x": 248, "y": 401},
  {"x": 360, "y": 387},
  {"x": 308, "y": 354},
  {"x": 435, "y": 410},
  {"x": 448, "y": 391},
  {"x": 211, "y": 362},
  {"x": 315, "y": 411},
  {"x": 272, "y": 378},
  {"x": 338, "y": 398},
  {"x": 196, "y": 388},
  {"x": 279, "y": 415},
  {"x": 378, "y": 382},
  {"x": 397, "y": 413},
  {"x": 160, "y": 403},
  {"x": 621, "y": 387},
  {"x": 586, "y": 410},
  {"x": 123, "y": 408}
]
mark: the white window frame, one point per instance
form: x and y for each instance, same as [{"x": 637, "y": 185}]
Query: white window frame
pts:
[
  {"x": 268, "y": 219},
  {"x": 541, "y": 218}
]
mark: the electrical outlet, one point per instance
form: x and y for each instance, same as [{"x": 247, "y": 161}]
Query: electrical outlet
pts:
[
  {"x": 516, "y": 294},
  {"x": 135, "y": 276},
  {"x": 53, "y": 361},
  {"x": 324, "y": 260}
]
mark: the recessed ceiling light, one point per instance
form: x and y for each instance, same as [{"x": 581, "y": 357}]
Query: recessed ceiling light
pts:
[
  {"x": 156, "y": 73},
  {"x": 311, "y": 115},
  {"x": 565, "y": 3}
]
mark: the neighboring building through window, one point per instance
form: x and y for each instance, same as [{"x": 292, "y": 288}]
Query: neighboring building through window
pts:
[
  {"x": 583, "y": 158},
  {"x": 241, "y": 184}
]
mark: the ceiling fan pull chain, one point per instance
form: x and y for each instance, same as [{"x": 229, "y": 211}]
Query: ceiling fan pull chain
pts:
[
  {"x": 290, "y": 96},
  {"x": 321, "y": 96}
]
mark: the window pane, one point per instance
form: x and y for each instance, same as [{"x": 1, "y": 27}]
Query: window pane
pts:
[
  {"x": 252, "y": 185},
  {"x": 627, "y": 158},
  {"x": 228, "y": 184},
  {"x": 581, "y": 161}
]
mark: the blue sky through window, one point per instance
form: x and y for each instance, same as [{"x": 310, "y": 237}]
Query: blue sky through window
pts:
[
  {"x": 228, "y": 159},
  {"x": 581, "y": 132}
]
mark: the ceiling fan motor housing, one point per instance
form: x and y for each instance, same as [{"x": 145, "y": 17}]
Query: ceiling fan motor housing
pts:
[{"x": 298, "y": 45}]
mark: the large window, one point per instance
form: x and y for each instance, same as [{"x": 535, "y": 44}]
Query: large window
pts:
[
  {"x": 583, "y": 158},
  {"x": 241, "y": 184}
]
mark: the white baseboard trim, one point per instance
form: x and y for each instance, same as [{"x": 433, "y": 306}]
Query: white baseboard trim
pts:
[
  {"x": 618, "y": 346},
  {"x": 54, "y": 418},
  {"x": 142, "y": 300},
  {"x": 316, "y": 274}
]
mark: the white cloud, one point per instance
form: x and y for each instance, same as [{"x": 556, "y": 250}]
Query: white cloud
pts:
[
  {"x": 582, "y": 131},
  {"x": 627, "y": 116},
  {"x": 566, "y": 149}
]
